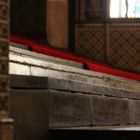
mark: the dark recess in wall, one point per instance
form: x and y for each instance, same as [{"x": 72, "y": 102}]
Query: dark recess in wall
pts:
[{"x": 28, "y": 18}]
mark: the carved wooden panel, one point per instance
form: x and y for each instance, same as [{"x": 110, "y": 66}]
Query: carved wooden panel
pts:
[
  {"x": 115, "y": 44},
  {"x": 124, "y": 47},
  {"x": 90, "y": 42}
]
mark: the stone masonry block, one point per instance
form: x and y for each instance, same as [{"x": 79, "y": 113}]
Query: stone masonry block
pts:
[
  {"x": 29, "y": 109},
  {"x": 134, "y": 112},
  {"x": 28, "y": 82},
  {"x": 69, "y": 110},
  {"x": 58, "y": 84},
  {"x": 109, "y": 111}
]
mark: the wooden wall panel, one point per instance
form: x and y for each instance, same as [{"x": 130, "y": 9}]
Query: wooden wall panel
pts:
[
  {"x": 123, "y": 50},
  {"x": 57, "y": 23},
  {"x": 115, "y": 44},
  {"x": 90, "y": 41}
]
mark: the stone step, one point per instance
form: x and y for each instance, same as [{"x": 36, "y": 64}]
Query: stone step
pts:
[
  {"x": 45, "y": 103},
  {"x": 25, "y": 62},
  {"x": 18, "y": 50},
  {"x": 100, "y": 128}
]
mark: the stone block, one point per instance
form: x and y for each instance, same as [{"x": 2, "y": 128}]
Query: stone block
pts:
[
  {"x": 86, "y": 87},
  {"x": 109, "y": 111},
  {"x": 69, "y": 110},
  {"x": 18, "y": 53},
  {"x": 58, "y": 84},
  {"x": 19, "y": 69},
  {"x": 28, "y": 82},
  {"x": 29, "y": 108},
  {"x": 134, "y": 112}
]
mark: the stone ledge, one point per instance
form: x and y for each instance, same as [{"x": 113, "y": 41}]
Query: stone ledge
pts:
[
  {"x": 28, "y": 82},
  {"x": 22, "y": 54},
  {"x": 69, "y": 110},
  {"x": 101, "y": 128},
  {"x": 31, "y": 82},
  {"x": 23, "y": 64}
]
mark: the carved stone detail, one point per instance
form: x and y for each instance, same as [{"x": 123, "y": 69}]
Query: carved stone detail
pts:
[
  {"x": 4, "y": 103},
  {"x": 4, "y": 33},
  {"x": 4, "y": 12}
]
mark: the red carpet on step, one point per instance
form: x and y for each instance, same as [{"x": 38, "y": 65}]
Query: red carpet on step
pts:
[{"x": 91, "y": 65}]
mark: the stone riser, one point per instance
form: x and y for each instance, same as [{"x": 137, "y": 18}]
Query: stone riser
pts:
[
  {"x": 69, "y": 107},
  {"x": 23, "y": 62}
]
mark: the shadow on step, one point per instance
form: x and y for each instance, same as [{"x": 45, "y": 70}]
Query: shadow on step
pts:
[{"x": 93, "y": 135}]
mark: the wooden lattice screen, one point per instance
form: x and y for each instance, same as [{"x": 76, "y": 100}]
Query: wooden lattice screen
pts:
[{"x": 117, "y": 44}]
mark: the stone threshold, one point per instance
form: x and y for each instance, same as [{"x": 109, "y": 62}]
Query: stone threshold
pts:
[{"x": 101, "y": 128}]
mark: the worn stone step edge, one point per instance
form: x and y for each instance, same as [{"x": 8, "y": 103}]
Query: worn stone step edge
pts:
[
  {"x": 31, "y": 82},
  {"x": 37, "y": 56}
]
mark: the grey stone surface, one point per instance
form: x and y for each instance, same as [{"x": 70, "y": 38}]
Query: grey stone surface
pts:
[
  {"x": 29, "y": 108},
  {"x": 74, "y": 103},
  {"x": 58, "y": 84},
  {"x": 26, "y": 65},
  {"x": 67, "y": 110},
  {"x": 103, "y": 128},
  {"x": 20, "y": 54},
  {"x": 85, "y": 87},
  {"x": 134, "y": 112},
  {"x": 109, "y": 111},
  {"x": 28, "y": 82},
  {"x": 35, "y": 82},
  {"x": 88, "y": 88}
]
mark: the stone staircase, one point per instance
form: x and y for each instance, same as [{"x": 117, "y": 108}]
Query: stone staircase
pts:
[{"x": 54, "y": 100}]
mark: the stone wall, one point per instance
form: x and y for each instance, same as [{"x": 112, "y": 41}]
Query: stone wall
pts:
[
  {"x": 49, "y": 103},
  {"x": 5, "y": 122},
  {"x": 53, "y": 96}
]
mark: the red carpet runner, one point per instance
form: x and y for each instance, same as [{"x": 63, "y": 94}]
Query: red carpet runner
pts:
[{"x": 91, "y": 65}]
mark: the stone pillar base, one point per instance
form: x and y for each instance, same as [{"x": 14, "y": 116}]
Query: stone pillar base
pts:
[{"x": 6, "y": 129}]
